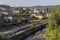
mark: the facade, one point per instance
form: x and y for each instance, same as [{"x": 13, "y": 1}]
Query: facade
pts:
[
  {"x": 5, "y": 13},
  {"x": 9, "y": 19},
  {"x": 16, "y": 11},
  {"x": 36, "y": 11}
]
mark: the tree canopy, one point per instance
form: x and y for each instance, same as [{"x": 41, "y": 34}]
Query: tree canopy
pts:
[{"x": 53, "y": 27}]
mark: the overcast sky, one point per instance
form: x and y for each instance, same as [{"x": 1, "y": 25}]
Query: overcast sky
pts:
[{"x": 29, "y": 2}]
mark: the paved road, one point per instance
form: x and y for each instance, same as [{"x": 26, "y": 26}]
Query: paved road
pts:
[
  {"x": 15, "y": 29},
  {"x": 27, "y": 33},
  {"x": 19, "y": 31}
]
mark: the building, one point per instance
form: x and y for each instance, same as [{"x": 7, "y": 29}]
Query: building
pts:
[
  {"x": 24, "y": 8},
  {"x": 35, "y": 10},
  {"x": 5, "y": 13},
  {"x": 9, "y": 18},
  {"x": 16, "y": 11},
  {"x": 2, "y": 8}
]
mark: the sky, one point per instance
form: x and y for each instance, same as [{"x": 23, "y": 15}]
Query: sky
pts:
[{"x": 29, "y": 2}]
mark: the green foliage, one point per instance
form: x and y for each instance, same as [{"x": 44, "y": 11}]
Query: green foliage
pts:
[
  {"x": 3, "y": 25},
  {"x": 33, "y": 25},
  {"x": 21, "y": 20},
  {"x": 16, "y": 23},
  {"x": 3, "y": 37},
  {"x": 52, "y": 30}
]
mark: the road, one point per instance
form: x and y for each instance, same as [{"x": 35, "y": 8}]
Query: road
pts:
[
  {"x": 15, "y": 29},
  {"x": 20, "y": 30},
  {"x": 27, "y": 32},
  {"x": 12, "y": 34}
]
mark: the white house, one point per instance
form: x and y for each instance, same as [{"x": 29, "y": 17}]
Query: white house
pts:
[
  {"x": 5, "y": 13},
  {"x": 8, "y": 18},
  {"x": 36, "y": 11},
  {"x": 2, "y": 8},
  {"x": 24, "y": 8}
]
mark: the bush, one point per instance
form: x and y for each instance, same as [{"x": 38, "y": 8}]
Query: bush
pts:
[
  {"x": 53, "y": 27},
  {"x": 3, "y": 38}
]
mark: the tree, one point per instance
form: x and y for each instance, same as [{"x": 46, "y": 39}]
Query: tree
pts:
[
  {"x": 53, "y": 27},
  {"x": 21, "y": 20},
  {"x": 2, "y": 37}
]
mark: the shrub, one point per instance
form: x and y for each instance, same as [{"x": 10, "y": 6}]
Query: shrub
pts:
[{"x": 53, "y": 27}]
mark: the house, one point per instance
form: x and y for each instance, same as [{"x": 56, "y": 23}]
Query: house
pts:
[
  {"x": 2, "y": 8},
  {"x": 35, "y": 10},
  {"x": 38, "y": 15},
  {"x": 4, "y": 16},
  {"x": 24, "y": 8},
  {"x": 1, "y": 18},
  {"x": 5, "y": 13},
  {"x": 16, "y": 11},
  {"x": 9, "y": 18},
  {"x": 48, "y": 14}
]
